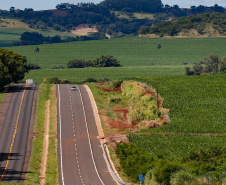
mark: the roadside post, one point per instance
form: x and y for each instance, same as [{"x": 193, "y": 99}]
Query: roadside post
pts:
[{"x": 141, "y": 178}]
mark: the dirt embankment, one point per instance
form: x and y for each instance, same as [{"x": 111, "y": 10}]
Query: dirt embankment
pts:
[
  {"x": 118, "y": 127},
  {"x": 83, "y": 29}
]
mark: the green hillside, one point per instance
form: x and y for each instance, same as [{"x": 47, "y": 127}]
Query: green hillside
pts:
[{"x": 213, "y": 24}]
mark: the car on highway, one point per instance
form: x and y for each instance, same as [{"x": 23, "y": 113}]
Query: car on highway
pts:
[{"x": 73, "y": 88}]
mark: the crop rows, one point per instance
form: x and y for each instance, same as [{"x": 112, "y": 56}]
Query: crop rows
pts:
[
  {"x": 175, "y": 146},
  {"x": 197, "y": 104}
]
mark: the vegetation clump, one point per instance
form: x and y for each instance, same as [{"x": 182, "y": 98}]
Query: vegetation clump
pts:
[
  {"x": 103, "y": 61},
  {"x": 12, "y": 67},
  {"x": 212, "y": 65},
  {"x": 140, "y": 101},
  {"x": 208, "y": 164},
  {"x": 204, "y": 24},
  {"x": 142, "y": 105},
  {"x": 56, "y": 80}
]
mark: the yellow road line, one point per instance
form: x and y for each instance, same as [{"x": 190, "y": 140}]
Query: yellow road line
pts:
[{"x": 14, "y": 135}]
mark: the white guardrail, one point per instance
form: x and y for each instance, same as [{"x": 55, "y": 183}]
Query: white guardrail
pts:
[{"x": 112, "y": 171}]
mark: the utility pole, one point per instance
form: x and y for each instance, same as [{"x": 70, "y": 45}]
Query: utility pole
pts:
[{"x": 157, "y": 96}]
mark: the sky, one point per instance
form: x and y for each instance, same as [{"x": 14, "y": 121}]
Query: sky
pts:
[{"x": 51, "y": 4}]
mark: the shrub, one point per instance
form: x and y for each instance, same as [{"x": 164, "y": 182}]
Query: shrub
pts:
[
  {"x": 163, "y": 171},
  {"x": 106, "y": 61},
  {"x": 90, "y": 80},
  {"x": 34, "y": 66},
  {"x": 134, "y": 161},
  {"x": 115, "y": 83},
  {"x": 182, "y": 178},
  {"x": 54, "y": 80}
]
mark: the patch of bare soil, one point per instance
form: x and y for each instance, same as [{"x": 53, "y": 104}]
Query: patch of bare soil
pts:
[
  {"x": 118, "y": 89},
  {"x": 83, "y": 29}
]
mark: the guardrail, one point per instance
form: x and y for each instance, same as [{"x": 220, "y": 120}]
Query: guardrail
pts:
[{"x": 112, "y": 171}]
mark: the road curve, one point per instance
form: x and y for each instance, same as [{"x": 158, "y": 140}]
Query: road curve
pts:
[
  {"x": 81, "y": 159},
  {"x": 14, "y": 134}
]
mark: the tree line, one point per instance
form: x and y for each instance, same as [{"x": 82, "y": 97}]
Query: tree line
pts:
[
  {"x": 12, "y": 67},
  {"x": 34, "y": 38},
  {"x": 201, "y": 23},
  {"x": 103, "y": 61},
  {"x": 210, "y": 65}
]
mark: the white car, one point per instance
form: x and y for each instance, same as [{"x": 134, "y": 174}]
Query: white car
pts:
[{"x": 73, "y": 88}]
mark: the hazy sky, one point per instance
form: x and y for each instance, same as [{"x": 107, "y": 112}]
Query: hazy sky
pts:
[{"x": 51, "y": 4}]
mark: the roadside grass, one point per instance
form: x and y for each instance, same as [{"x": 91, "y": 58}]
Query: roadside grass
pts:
[
  {"x": 112, "y": 73},
  {"x": 33, "y": 177},
  {"x": 130, "y": 51},
  {"x": 1, "y": 97},
  {"x": 52, "y": 160}
]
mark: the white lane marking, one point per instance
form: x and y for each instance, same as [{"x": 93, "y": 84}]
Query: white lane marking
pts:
[
  {"x": 88, "y": 135},
  {"x": 61, "y": 158}
]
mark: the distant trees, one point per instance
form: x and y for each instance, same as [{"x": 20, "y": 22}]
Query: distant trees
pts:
[
  {"x": 151, "y": 6},
  {"x": 210, "y": 65},
  {"x": 34, "y": 38},
  {"x": 103, "y": 61},
  {"x": 214, "y": 23},
  {"x": 12, "y": 67}
]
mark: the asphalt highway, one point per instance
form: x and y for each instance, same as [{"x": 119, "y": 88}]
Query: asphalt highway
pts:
[
  {"x": 81, "y": 159},
  {"x": 14, "y": 134}
]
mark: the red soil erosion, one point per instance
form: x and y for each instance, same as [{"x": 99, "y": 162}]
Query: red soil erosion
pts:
[
  {"x": 118, "y": 89},
  {"x": 155, "y": 96}
]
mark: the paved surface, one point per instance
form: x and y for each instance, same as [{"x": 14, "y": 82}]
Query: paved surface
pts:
[
  {"x": 81, "y": 159},
  {"x": 14, "y": 134}
]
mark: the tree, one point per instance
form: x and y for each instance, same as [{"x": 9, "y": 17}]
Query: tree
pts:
[
  {"x": 212, "y": 63},
  {"x": 159, "y": 46},
  {"x": 12, "y": 67},
  {"x": 223, "y": 65},
  {"x": 106, "y": 61},
  {"x": 198, "y": 69}
]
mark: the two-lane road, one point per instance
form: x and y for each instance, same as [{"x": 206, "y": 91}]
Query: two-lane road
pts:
[
  {"x": 14, "y": 134},
  {"x": 81, "y": 159}
]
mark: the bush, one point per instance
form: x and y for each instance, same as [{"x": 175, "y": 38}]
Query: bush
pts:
[
  {"x": 34, "y": 66},
  {"x": 90, "y": 80},
  {"x": 54, "y": 80},
  {"x": 106, "y": 61},
  {"x": 78, "y": 63},
  {"x": 163, "y": 171},
  {"x": 182, "y": 178},
  {"x": 115, "y": 83},
  {"x": 134, "y": 161}
]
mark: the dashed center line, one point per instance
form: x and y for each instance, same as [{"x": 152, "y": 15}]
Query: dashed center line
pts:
[{"x": 72, "y": 114}]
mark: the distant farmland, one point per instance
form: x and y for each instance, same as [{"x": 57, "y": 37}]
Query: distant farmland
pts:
[{"x": 131, "y": 51}]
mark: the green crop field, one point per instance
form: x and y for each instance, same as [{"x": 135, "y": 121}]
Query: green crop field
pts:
[
  {"x": 8, "y": 36},
  {"x": 197, "y": 104},
  {"x": 130, "y": 51},
  {"x": 175, "y": 146},
  {"x": 114, "y": 73}
]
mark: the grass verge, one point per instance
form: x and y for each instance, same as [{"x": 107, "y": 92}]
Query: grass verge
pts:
[
  {"x": 1, "y": 97},
  {"x": 33, "y": 177},
  {"x": 52, "y": 160}
]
